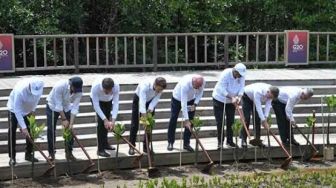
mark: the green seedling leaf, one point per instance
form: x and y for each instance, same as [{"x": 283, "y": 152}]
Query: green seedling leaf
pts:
[
  {"x": 197, "y": 123},
  {"x": 118, "y": 130},
  {"x": 67, "y": 135},
  {"x": 147, "y": 121},
  {"x": 35, "y": 130},
  {"x": 331, "y": 102},
  {"x": 310, "y": 121},
  {"x": 236, "y": 127}
]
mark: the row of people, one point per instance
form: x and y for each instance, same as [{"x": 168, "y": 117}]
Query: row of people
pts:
[{"x": 64, "y": 99}]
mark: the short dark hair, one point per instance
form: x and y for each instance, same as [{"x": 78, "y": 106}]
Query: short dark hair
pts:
[
  {"x": 275, "y": 91},
  {"x": 160, "y": 81},
  {"x": 108, "y": 83}
]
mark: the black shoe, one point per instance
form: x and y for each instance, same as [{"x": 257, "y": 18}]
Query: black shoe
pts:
[
  {"x": 12, "y": 162},
  {"x": 109, "y": 147},
  {"x": 244, "y": 144},
  {"x": 295, "y": 143},
  {"x": 170, "y": 147},
  {"x": 257, "y": 142},
  {"x": 188, "y": 148},
  {"x": 29, "y": 157},
  {"x": 232, "y": 145},
  {"x": 131, "y": 151},
  {"x": 103, "y": 154}
]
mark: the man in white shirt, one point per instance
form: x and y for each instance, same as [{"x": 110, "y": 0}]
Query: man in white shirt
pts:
[
  {"x": 186, "y": 96},
  {"x": 254, "y": 96},
  {"x": 145, "y": 99},
  {"x": 283, "y": 109},
  {"x": 228, "y": 91},
  {"x": 63, "y": 101},
  {"x": 22, "y": 103},
  {"x": 105, "y": 100}
]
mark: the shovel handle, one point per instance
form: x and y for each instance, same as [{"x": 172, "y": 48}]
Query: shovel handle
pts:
[
  {"x": 131, "y": 145},
  {"x": 242, "y": 119},
  {"x": 39, "y": 149},
  {"x": 81, "y": 146},
  {"x": 198, "y": 141},
  {"x": 277, "y": 140},
  {"x": 304, "y": 136}
]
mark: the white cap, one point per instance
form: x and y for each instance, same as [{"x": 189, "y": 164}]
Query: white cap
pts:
[
  {"x": 241, "y": 69},
  {"x": 36, "y": 86}
]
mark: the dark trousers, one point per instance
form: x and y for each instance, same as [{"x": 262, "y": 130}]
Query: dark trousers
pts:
[
  {"x": 175, "y": 110},
  {"x": 218, "y": 108},
  {"x": 282, "y": 121},
  {"x": 51, "y": 130},
  {"x": 12, "y": 135},
  {"x": 106, "y": 107},
  {"x": 248, "y": 110},
  {"x": 135, "y": 121}
]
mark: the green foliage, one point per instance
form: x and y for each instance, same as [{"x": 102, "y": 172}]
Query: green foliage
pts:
[
  {"x": 331, "y": 102},
  {"x": 148, "y": 121},
  {"x": 119, "y": 130},
  {"x": 290, "y": 179},
  {"x": 269, "y": 120},
  {"x": 34, "y": 128},
  {"x": 67, "y": 134},
  {"x": 143, "y": 16},
  {"x": 310, "y": 121},
  {"x": 236, "y": 127},
  {"x": 197, "y": 123}
]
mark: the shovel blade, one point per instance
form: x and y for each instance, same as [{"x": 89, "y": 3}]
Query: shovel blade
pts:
[
  {"x": 208, "y": 168},
  {"x": 88, "y": 168},
  {"x": 256, "y": 142},
  {"x": 48, "y": 172},
  {"x": 285, "y": 164},
  {"x": 153, "y": 172}
]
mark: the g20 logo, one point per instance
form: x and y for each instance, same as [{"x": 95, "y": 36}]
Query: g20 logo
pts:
[{"x": 297, "y": 47}]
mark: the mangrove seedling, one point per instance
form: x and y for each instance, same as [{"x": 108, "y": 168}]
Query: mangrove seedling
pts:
[{"x": 118, "y": 131}]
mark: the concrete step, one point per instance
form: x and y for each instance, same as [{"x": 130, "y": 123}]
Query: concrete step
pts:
[
  {"x": 88, "y": 135},
  {"x": 162, "y": 157},
  {"x": 128, "y": 94},
  {"x": 305, "y": 107},
  {"x": 210, "y": 83}
]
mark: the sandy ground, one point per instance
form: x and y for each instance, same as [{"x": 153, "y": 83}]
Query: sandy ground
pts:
[{"x": 131, "y": 178}]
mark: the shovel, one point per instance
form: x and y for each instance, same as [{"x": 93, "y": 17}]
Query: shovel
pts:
[
  {"x": 315, "y": 152},
  {"x": 254, "y": 142},
  {"x": 51, "y": 165},
  {"x": 152, "y": 171},
  {"x": 138, "y": 158},
  {"x": 87, "y": 169},
  {"x": 285, "y": 164},
  {"x": 208, "y": 167}
]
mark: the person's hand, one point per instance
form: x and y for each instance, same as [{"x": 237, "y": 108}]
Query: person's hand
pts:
[
  {"x": 112, "y": 123},
  {"x": 191, "y": 108},
  {"x": 236, "y": 100},
  {"x": 25, "y": 132},
  {"x": 264, "y": 123},
  {"x": 107, "y": 124},
  {"x": 187, "y": 124},
  {"x": 65, "y": 123},
  {"x": 292, "y": 122}
]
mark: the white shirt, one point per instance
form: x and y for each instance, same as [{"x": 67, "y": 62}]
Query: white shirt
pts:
[
  {"x": 22, "y": 102},
  {"x": 257, "y": 93},
  {"x": 289, "y": 96},
  {"x": 97, "y": 94},
  {"x": 228, "y": 86},
  {"x": 185, "y": 92},
  {"x": 60, "y": 99},
  {"x": 145, "y": 91}
]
